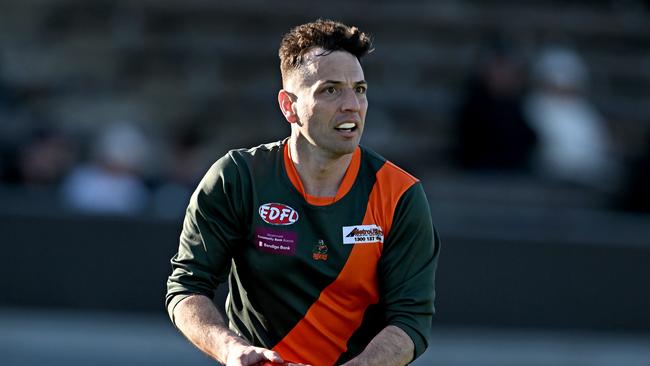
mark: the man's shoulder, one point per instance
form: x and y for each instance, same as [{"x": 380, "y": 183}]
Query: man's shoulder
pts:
[
  {"x": 259, "y": 151},
  {"x": 239, "y": 162},
  {"x": 243, "y": 158},
  {"x": 385, "y": 167}
]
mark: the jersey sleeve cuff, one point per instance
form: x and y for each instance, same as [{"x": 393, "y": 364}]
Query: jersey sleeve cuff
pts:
[
  {"x": 420, "y": 342},
  {"x": 172, "y": 301}
]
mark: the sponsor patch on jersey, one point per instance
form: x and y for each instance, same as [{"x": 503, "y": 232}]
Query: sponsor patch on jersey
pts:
[
  {"x": 278, "y": 214},
  {"x": 275, "y": 241},
  {"x": 361, "y": 234}
]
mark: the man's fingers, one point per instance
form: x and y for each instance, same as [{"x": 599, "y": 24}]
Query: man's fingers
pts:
[
  {"x": 252, "y": 356},
  {"x": 272, "y": 356},
  {"x": 263, "y": 357}
]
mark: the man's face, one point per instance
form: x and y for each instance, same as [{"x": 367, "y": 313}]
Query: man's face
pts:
[{"x": 330, "y": 102}]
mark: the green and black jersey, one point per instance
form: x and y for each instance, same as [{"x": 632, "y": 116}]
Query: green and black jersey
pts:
[{"x": 312, "y": 278}]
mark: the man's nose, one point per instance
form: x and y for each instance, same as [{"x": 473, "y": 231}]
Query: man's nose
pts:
[{"x": 350, "y": 101}]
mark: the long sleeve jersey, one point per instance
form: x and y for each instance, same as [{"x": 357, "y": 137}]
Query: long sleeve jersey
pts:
[{"x": 312, "y": 278}]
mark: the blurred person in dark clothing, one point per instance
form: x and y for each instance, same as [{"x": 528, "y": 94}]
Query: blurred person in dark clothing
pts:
[
  {"x": 492, "y": 131},
  {"x": 46, "y": 158},
  {"x": 635, "y": 192},
  {"x": 188, "y": 158},
  {"x": 9, "y": 167}
]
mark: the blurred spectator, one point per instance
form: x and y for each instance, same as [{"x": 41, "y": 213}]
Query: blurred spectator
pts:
[
  {"x": 112, "y": 182},
  {"x": 183, "y": 169},
  {"x": 8, "y": 164},
  {"x": 46, "y": 158},
  {"x": 9, "y": 167},
  {"x": 635, "y": 192},
  {"x": 492, "y": 130},
  {"x": 574, "y": 144}
]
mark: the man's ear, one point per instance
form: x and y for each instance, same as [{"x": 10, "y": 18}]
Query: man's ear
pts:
[{"x": 286, "y": 101}]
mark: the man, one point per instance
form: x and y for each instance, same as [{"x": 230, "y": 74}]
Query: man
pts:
[{"x": 328, "y": 248}]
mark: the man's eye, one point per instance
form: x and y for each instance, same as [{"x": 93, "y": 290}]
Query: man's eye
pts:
[
  {"x": 330, "y": 90},
  {"x": 361, "y": 89}
]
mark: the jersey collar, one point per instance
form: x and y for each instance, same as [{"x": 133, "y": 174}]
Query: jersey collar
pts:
[{"x": 348, "y": 179}]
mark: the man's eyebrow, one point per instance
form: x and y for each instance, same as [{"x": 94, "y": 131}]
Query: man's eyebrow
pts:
[{"x": 336, "y": 82}]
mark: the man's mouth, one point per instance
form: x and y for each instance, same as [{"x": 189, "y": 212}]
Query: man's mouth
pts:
[{"x": 346, "y": 127}]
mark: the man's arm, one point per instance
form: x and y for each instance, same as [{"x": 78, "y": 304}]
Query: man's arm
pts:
[
  {"x": 390, "y": 347},
  {"x": 407, "y": 270},
  {"x": 200, "y": 321}
]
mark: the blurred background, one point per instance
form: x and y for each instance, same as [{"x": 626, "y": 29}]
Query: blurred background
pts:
[{"x": 527, "y": 122}]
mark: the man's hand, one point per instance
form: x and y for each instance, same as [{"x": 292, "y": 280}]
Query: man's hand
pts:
[
  {"x": 202, "y": 324},
  {"x": 270, "y": 363},
  {"x": 248, "y": 355}
]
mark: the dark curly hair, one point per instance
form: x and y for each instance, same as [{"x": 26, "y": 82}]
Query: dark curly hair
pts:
[{"x": 326, "y": 34}]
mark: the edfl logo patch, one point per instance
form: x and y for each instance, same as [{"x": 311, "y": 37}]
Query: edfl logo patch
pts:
[{"x": 278, "y": 214}]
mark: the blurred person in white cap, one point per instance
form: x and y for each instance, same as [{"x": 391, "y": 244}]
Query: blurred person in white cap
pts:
[
  {"x": 574, "y": 144},
  {"x": 111, "y": 183}
]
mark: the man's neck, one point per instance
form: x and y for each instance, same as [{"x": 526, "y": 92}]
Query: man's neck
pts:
[{"x": 320, "y": 174}]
